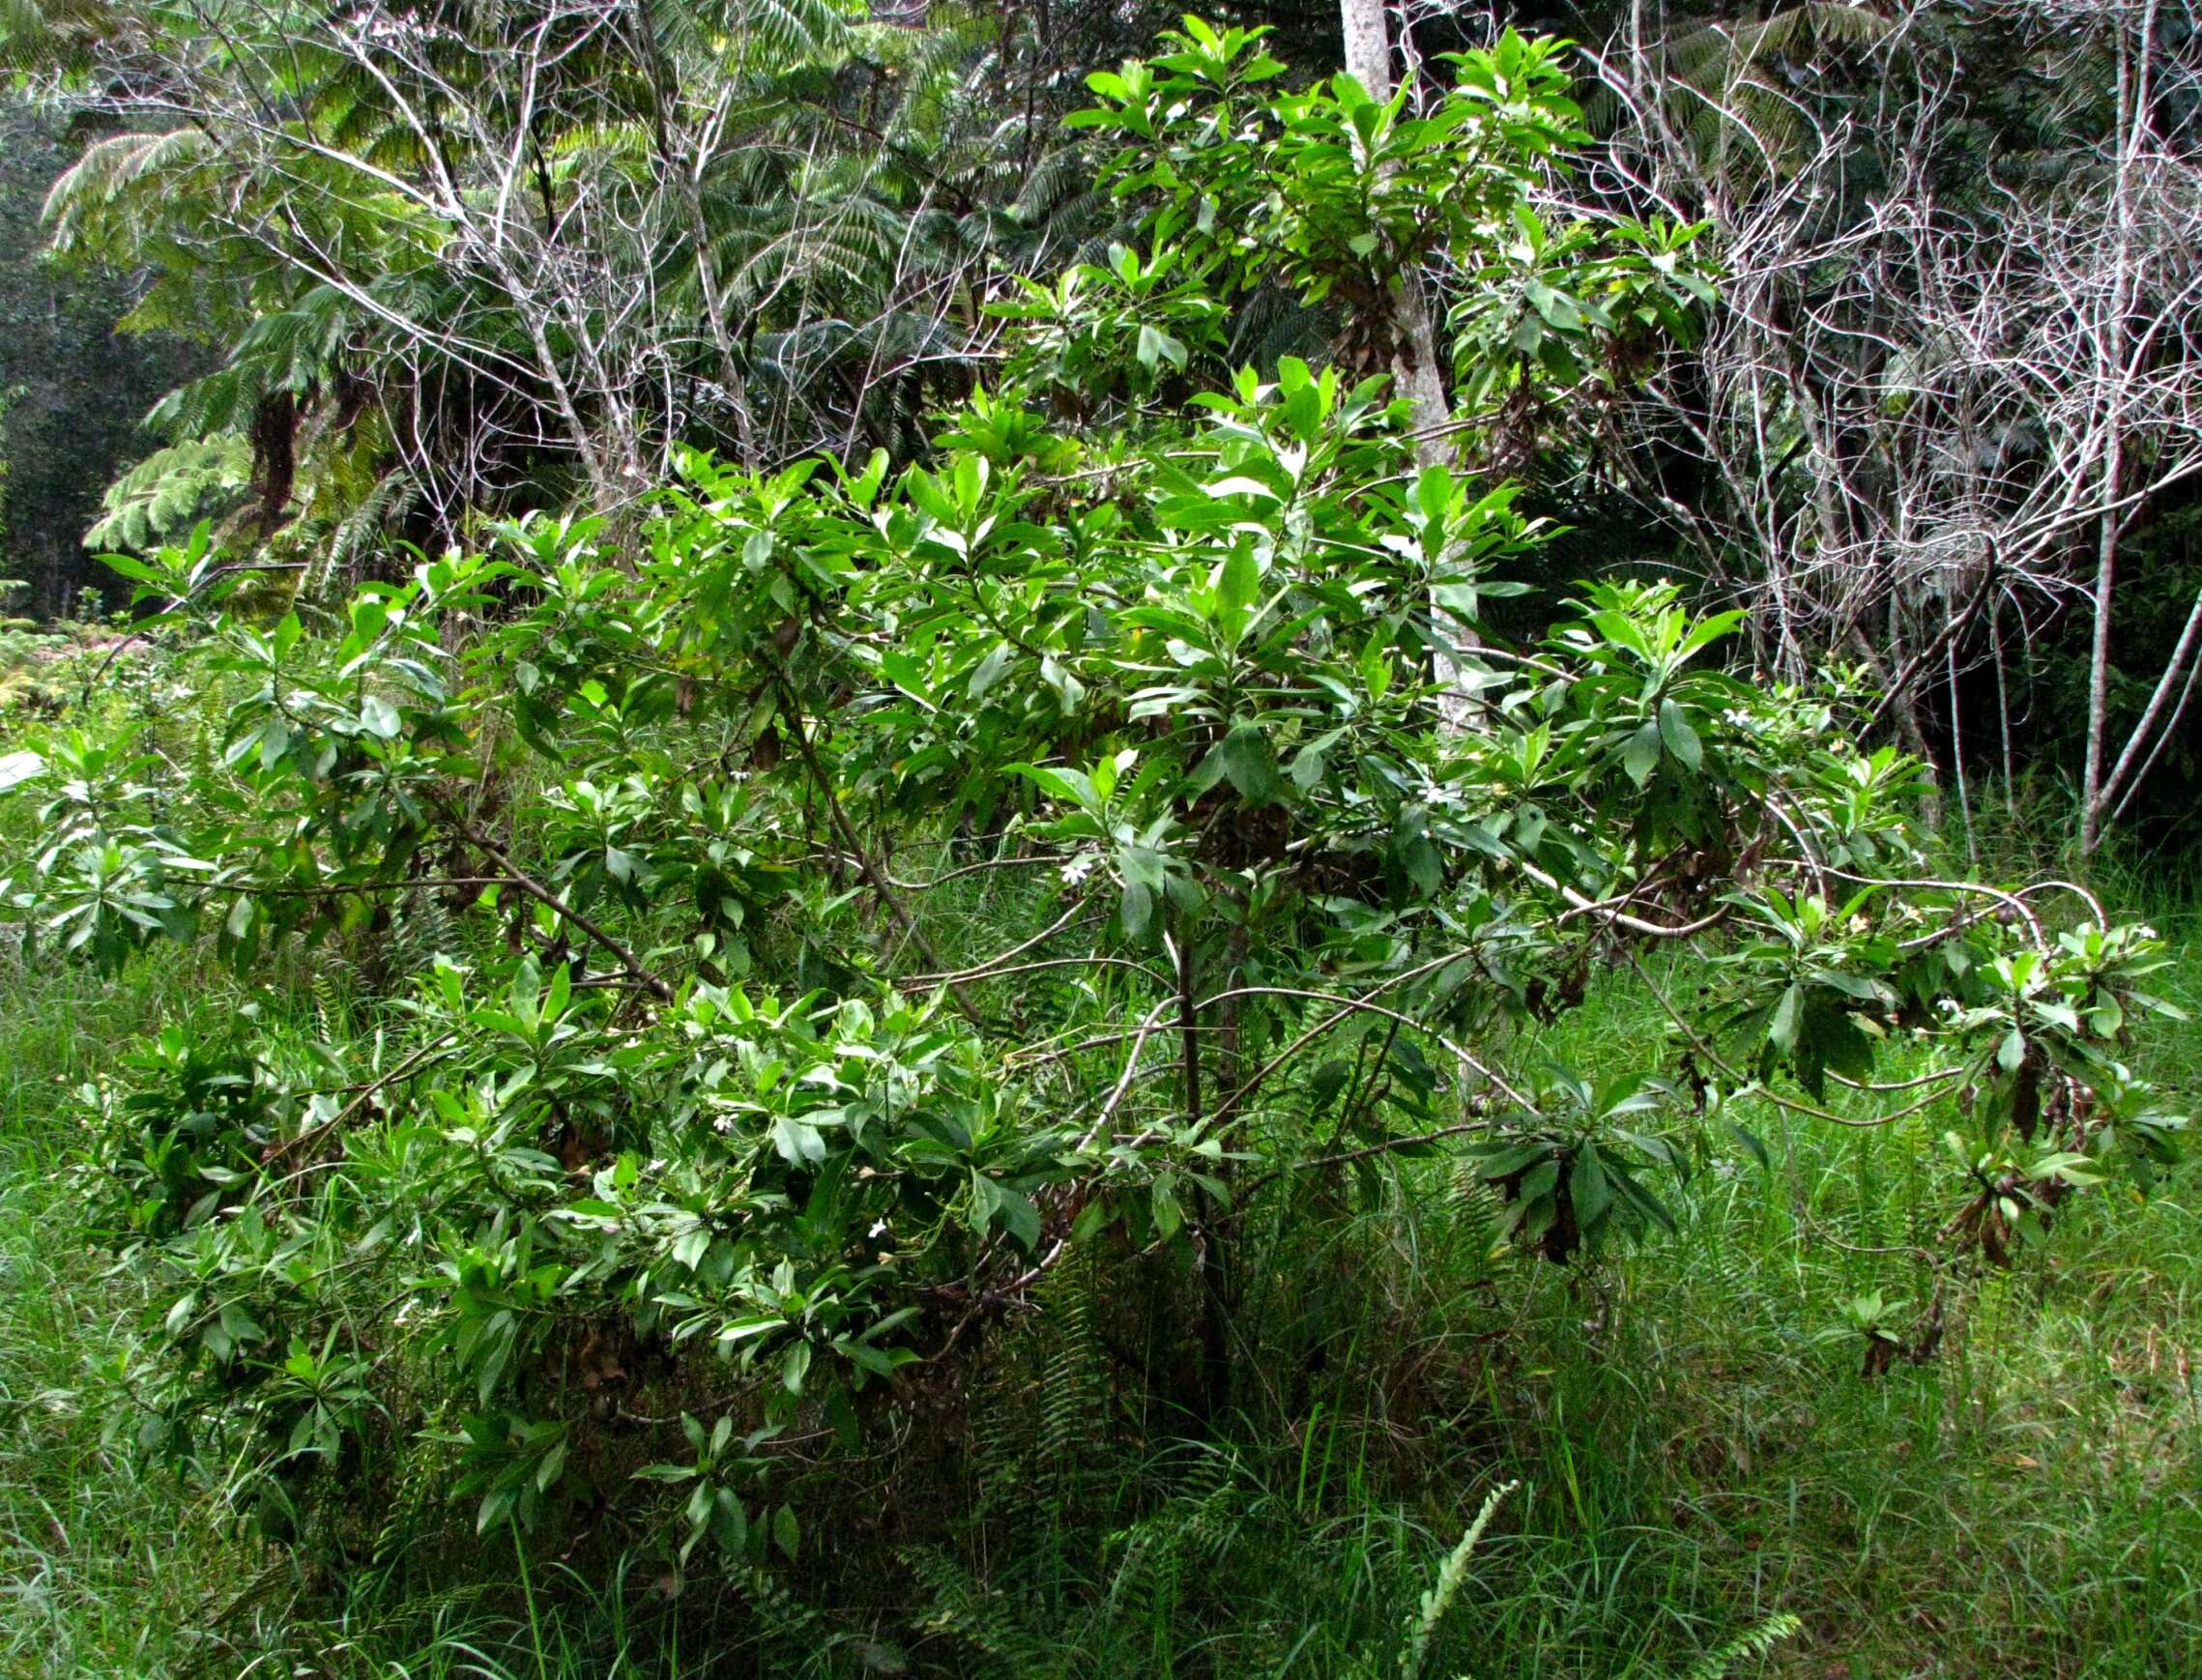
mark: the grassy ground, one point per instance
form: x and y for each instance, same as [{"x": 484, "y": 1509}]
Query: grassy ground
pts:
[{"x": 1697, "y": 1448}]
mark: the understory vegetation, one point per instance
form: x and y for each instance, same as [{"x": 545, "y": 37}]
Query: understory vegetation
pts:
[
  {"x": 1697, "y": 1450},
  {"x": 890, "y": 865}
]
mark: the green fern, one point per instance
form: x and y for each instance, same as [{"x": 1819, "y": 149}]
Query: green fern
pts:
[
  {"x": 170, "y": 491},
  {"x": 1755, "y": 1641},
  {"x": 977, "y": 1618},
  {"x": 1074, "y": 1392},
  {"x": 1725, "y": 87},
  {"x": 1450, "y": 1575},
  {"x": 53, "y": 35}
]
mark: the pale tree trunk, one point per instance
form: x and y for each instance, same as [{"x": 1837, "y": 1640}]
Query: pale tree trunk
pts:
[
  {"x": 2091, "y": 791},
  {"x": 2132, "y": 122},
  {"x": 1412, "y": 336},
  {"x": 1411, "y": 331},
  {"x": 1420, "y": 377}
]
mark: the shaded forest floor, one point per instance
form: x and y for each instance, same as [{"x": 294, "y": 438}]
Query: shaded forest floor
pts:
[{"x": 1697, "y": 1446}]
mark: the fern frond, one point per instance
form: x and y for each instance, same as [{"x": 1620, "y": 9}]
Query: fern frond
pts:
[
  {"x": 55, "y": 35},
  {"x": 1451, "y": 1574},
  {"x": 89, "y": 204},
  {"x": 391, "y": 497},
  {"x": 1755, "y": 1641},
  {"x": 171, "y": 491},
  {"x": 977, "y": 1618}
]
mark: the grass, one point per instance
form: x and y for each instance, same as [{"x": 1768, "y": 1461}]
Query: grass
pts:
[{"x": 1697, "y": 1448}]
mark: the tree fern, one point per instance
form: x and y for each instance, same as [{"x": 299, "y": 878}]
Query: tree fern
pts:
[
  {"x": 171, "y": 491},
  {"x": 1728, "y": 84},
  {"x": 355, "y": 535},
  {"x": 55, "y": 35},
  {"x": 111, "y": 197}
]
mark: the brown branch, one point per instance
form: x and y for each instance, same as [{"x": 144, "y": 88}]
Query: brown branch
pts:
[
  {"x": 873, "y": 871},
  {"x": 412, "y": 1063},
  {"x": 1951, "y": 631},
  {"x": 653, "y": 982}
]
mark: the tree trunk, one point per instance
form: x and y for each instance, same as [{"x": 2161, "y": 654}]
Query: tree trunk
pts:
[
  {"x": 1411, "y": 329},
  {"x": 1411, "y": 332},
  {"x": 2091, "y": 791}
]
